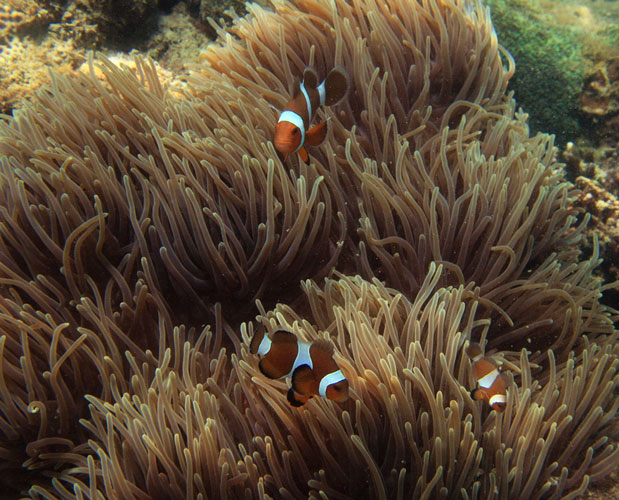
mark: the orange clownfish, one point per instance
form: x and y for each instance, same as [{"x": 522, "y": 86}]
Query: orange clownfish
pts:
[
  {"x": 291, "y": 131},
  {"x": 311, "y": 366},
  {"x": 490, "y": 381}
]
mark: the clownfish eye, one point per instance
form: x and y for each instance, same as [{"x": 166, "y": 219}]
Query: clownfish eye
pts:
[{"x": 295, "y": 131}]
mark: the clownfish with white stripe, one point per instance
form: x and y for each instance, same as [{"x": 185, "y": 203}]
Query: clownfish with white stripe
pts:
[
  {"x": 311, "y": 366},
  {"x": 292, "y": 132},
  {"x": 491, "y": 384}
]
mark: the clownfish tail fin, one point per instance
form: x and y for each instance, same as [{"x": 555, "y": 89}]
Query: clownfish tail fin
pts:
[
  {"x": 336, "y": 85},
  {"x": 474, "y": 351},
  {"x": 310, "y": 78}
]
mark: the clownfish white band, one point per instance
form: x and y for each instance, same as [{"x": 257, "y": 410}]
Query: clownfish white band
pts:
[
  {"x": 308, "y": 103},
  {"x": 303, "y": 357},
  {"x": 487, "y": 380},
  {"x": 327, "y": 380},
  {"x": 264, "y": 346},
  {"x": 321, "y": 93},
  {"x": 497, "y": 398},
  {"x": 297, "y": 121}
]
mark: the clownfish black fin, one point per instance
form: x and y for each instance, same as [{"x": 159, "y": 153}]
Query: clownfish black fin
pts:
[
  {"x": 283, "y": 336},
  {"x": 337, "y": 84},
  {"x": 324, "y": 345},
  {"x": 476, "y": 394},
  {"x": 292, "y": 399},
  {"x": 302, "y": 377}
]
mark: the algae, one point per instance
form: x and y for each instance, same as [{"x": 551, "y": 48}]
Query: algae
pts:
[{"x": 550, "y": 66}]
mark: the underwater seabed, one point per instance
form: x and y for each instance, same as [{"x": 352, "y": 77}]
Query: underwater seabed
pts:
[{"x": 148, "y": 228}]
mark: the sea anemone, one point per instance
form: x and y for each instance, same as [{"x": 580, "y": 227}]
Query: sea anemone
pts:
[{"x": 142, "y": 226}]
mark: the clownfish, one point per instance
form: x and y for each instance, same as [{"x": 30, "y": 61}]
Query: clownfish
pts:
[
  {"x": 311, "y": 366},
  {"x": 291, "y": 131},
  {"x": 491, "y": 384}
]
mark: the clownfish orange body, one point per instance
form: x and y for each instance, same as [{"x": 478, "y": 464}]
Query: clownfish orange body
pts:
[
  {"x": 311, "y": 366},
  {"x": 490, "y": 381},
  {"x": 292, "y": 132}
]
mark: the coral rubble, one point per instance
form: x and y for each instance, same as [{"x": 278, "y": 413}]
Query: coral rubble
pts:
[{"x": 600, "y": 100}]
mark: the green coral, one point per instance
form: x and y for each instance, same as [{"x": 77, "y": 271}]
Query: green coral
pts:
[{"x": 550, "y": 66}]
